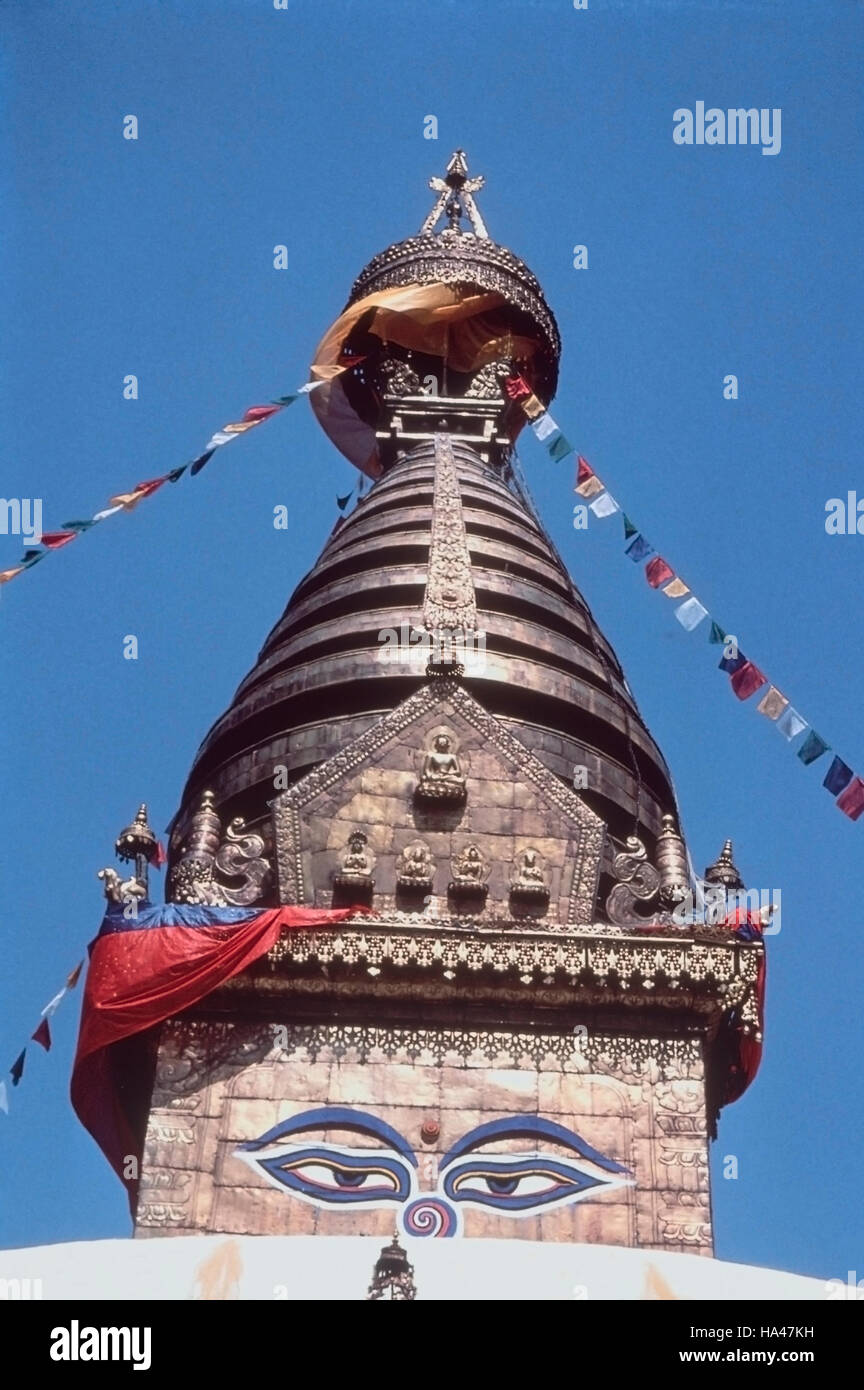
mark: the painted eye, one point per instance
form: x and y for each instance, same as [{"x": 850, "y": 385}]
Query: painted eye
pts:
[
  {"x": 519, "y": 1185},
  {"x": 333, "y": 1176}
]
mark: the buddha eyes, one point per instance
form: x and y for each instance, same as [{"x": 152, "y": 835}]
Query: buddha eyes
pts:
[
  {"x": 517, "y": 1185},
  {"x": 385, "y": 1173},
  {"x": 334, "y": 1176}
]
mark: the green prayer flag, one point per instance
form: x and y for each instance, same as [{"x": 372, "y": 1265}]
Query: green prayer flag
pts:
[
  {"x": 77, "y": 525},
  {"x": 176, "y": 473},
  {"x": 284, "y": 400},
  {"x": 812, "y": 748},
  {"x": 629, "y": 528},
  {"x": 716, "y": 634},
  {"x": 560, "y": 448}
]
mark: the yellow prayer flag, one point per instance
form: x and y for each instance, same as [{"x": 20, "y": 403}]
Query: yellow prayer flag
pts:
[
  {"x": 532, "y": 407},
  {"x": 240, "y": 426},
  {"x": 772, "y": 703},
  {"x": 676, "y": 588},
  {"x": 128, "y": 500},
  {"x": 6, "y": 575},
  {"x": 590, "y": 487}
]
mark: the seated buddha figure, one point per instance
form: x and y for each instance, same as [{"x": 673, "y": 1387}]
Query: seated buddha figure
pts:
[{"x": 442, "y": 778}]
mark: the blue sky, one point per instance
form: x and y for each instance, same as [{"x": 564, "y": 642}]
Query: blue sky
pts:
[{"x": 305, "y": 127}]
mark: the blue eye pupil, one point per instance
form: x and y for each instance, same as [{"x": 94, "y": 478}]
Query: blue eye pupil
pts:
[
  {"x": 346, "y": 1177},
  {"x": 502, "y": 1186}
]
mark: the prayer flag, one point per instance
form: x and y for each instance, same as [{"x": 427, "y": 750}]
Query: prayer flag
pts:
[
  {"x": 677, "y": 589},
  {"x": 151, "y": 485},
  {"x": 772, "y": 703},
  {"x": 74, "y": 975},
  {"x": 16, "y": 1071},
  {"x": 790, "y": 724},
  {"x": 342, "y": 502},
  {"x": 176, "y": 473},
  {"x": 590, "y": 488},
  {"x": 584, "y": 471},
  {"x": 240, "y": 426},
  {"x": 53, "y": 540},
  {"x": 812, "y": 748},
  {"x": 284, "y": 401},
  {"x": 198, "y": 464},
  {"x": 657, "y": 572},
  {"x": 604, "y": 504},
  {"x": 543, "y": 426},
  {"x": 159, "y": 856},
  {"x": 533, "y": 408},
  {"x": 746, "y": 680},
  {"x": 6, "y": 575},
  {"x": 219, "y": 438},
  {"x": 52, "y": 1005},
  {"x": 629, "y": 528},
  {"x": 43, "y": 1035},
  {"x": 517, "y": 387},
  {"x": 716, "y": 635},
  {"x": 31, "y": 558},
  {"x": 639, "y": 549},
  {"x": 311, "y": 386},
  {"x": 730, "y": 664},
  {"x": 559, "y": 448},
  {"x": 4, "y": 1099},
  {"x": 851, "y": 801},
  {"x": 129, "y": 500},
  {"x": 690, "y": 613},
  {"x": 260, "y": 412},
  {"x": 77, "y": 525},
  {"x": 108, "y": 511},
  {"x": 837, "y": 777}
]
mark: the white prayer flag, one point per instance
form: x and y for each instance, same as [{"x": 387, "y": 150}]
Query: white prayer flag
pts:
[
  {"x": 543, "y": 426},
  {"x": 4, "y": 1099},
  {"x": 220, "y": 437},
  {"x": 604, "y": 505},
  {"x": 691, "y": 613},
  {"x": 790, "y": 724},
  {"x": 51, "y": 1008},
  {"x": 109, "y": 511},
  {"x": 309, "y": 386}
]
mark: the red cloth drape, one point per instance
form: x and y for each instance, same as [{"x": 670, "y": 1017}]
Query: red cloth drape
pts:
[{"x": 138, "y": 979}]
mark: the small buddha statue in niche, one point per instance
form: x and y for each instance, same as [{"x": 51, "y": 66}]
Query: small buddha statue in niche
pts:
[
  {"x": 356, "y": 862},
  {"x": 528, "y": 880},
  {"x": 470, "y": 871},
  {"x": 415, "y": 866},
  {"x": 442, "y": 778}
]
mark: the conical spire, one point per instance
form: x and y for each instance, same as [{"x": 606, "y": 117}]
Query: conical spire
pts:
[{"x": 723, "y": 870}]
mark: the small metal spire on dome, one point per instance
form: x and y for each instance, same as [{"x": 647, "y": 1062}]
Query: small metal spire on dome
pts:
[
  {"x": 723, "y": 870},
  {"x": 455, "y": 198}
]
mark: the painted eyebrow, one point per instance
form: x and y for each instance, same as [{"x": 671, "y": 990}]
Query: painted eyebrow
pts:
[
  {"x": 334, "y": 1116},
  {"x": 534, "y": 1127}
]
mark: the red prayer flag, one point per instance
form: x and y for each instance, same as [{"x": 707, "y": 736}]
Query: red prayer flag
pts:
[
  {"x": 851, "y": 799},
  {"x": 43, "y": 1035},
  {"x": 52, "y": 540},
  {"x": 159, "y": 855},
  {"x": 149, "y": 486},
  {"x": 747, "y": 680},
  {"x": 517, "y": 387},
  {"x": 657, "y": 572},
  {"x": 584, "y": 470},
  {"x": 261, "y": 412}
]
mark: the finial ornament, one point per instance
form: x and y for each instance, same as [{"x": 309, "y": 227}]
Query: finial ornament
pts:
[
  {"x": 724, "y": 870},
  {"x": 455, "y": 198}
]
